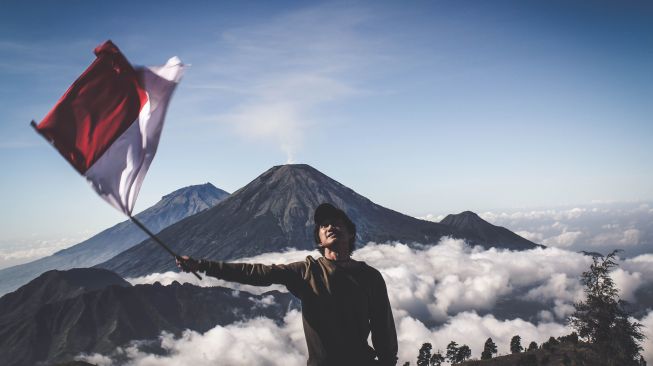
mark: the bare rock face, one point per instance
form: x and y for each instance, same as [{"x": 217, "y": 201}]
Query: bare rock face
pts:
[{"x": 274, "y": 212}]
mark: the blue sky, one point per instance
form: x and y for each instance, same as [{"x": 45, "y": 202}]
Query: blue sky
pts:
[{"x": 423, "y": 107}]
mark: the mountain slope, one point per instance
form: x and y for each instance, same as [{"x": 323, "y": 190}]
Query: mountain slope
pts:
[
  {"x": 98, "y": 311},
  {"x": 274, "y": 212},
  {"x": 470, "y": 223},
  {"x": 101, "y": 247},
  {"x": 53, "y": 286}
]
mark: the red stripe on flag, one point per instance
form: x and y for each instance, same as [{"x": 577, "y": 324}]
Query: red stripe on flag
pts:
[{"x": 100, "y": 105}]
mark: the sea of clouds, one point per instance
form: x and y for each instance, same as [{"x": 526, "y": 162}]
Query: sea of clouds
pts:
[
  {"x": 438, "y": 294},
  {"x": 14, "y": 252},
  {"x": 601, "y": 226}
]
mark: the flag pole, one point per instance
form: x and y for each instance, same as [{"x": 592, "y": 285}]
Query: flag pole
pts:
[
  {"x": 156, "y": 239},
  {"x": 134, "y": 220}
]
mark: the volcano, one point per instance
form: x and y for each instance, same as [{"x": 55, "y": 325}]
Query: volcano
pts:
[{"x": 274, "y": 212}]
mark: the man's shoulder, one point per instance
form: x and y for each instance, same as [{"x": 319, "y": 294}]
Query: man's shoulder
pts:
[
  {"x": 372, "y": 271},
  {"x": 310, "y": 259}
]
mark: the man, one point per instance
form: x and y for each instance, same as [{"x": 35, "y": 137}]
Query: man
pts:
[{"x": 343, "y": 300}]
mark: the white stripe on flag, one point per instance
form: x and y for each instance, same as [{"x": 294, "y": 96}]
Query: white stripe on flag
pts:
[{"x": 118, "y": 174}]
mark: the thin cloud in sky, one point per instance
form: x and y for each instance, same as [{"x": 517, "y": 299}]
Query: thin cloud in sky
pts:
[
  {"x": 33, "y": 60},
  {"x": 285, "y": 70}
]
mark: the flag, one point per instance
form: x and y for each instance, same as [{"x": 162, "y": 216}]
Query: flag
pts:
[{"x": 108, "y": 123}]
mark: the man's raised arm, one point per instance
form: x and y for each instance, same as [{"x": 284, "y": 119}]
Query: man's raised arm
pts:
[{"x": 246, "y": 273}]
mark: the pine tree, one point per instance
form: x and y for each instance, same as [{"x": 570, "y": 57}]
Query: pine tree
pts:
[
  {"x": 550, "y": 344},
  {"x": 602, "y": 320},
  {"x": 424, "y": 355},
  {"x": 437, "y": 359},
  {"x": 515, "y": 345},
  {"x": 452, "y": 352},
  {"x": 464, "y": 352},
  {"x": 569, "y": 338},
  {"x": 532, "y": 346},
  {"x": 488, "y": 349}
]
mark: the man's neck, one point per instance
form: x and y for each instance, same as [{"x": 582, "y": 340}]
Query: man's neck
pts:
[{"x": 335, "y": 255}]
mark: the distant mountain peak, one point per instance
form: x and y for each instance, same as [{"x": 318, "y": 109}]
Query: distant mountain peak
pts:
[
  {"x": 206, "y": 187},
  {"x": 292, "y": 174},
  {"x": 55, "y": 285},
  {"x": 469, "y": 214},
  {"x": 290, "y": 167},
  {"x": 170, "y": 209},
  {"x": 470, "y": 222},
  {"x": 465, "y": 219}
]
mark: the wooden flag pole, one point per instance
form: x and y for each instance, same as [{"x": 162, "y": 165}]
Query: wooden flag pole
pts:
[{"x": 156, "y": 239}]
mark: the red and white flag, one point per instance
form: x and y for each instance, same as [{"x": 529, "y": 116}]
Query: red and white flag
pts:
[{"x": 108, "y": 123}]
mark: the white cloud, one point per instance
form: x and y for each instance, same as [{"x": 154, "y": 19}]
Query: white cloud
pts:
[
  {"x": 471, "y": 329},
  {"x": 432, "y": 217},
  {"x": 263, "y": 302},
  {"x": 647, "y": 329},
  {"x": 255, "y": 342},
  {"x": 558, "y": 287},
  {"x": 535, "y": 237},
  {"x": 446, "y": 284},
  {"x": 642, "y": 264},
  {"x": 617, "y": 238},
  {"x": 627, "y": 283},
  {"x": 601, "y": 226},
  {"x": 14, "y": 252},
  {"x": 262, "y": 342},
  {"x": 631, "y": 237},
  {"x": 433, "y": 283},
  {"x": 566, "y": 239},
  {"x": 95, "y": 359}
]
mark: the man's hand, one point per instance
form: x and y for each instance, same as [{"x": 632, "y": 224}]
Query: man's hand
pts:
[{"x": 187, "y": 264}]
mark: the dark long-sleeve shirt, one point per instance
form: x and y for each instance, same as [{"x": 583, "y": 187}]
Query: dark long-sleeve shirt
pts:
[{"x": 342, "y": 302}]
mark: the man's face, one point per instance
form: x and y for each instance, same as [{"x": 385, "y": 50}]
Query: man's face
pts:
[{"x": 334, "y": 233}]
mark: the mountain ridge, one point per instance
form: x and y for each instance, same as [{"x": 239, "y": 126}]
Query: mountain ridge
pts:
[
  {"x": 98, "y": 311},
  {"x": 471, "y": 223},
  {"x": 274, "y": 212},
  {"x": 171, "y": 208}
]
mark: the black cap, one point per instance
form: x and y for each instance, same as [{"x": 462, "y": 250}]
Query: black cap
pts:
[{"x": 328, "y": 211}]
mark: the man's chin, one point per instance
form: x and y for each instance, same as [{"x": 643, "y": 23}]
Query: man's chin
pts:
[{"x": 331, "y": 244}]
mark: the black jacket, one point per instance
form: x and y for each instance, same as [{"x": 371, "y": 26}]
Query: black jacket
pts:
[{"x": 342, "y": 302}]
